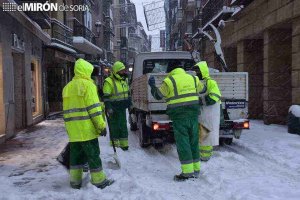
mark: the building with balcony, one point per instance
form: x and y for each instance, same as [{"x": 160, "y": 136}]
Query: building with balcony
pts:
[
  {"x": 59, "y": 57},
  {"x": 21, "y": 73},
  {"x": 77, "y": 34},
  {"x": 263, "y": 40},
  {"x": 182, "y": 18},
  {"x": 40, "y": 51},
  {"x": 260, "y": 37},
  {"x": 145, "y": 45},
  {"x": 173, "y": 19},
  {"x": 109, "y": 31},
  {"x": 125, "y": 27},
  {"x": 137, "y": 42}
]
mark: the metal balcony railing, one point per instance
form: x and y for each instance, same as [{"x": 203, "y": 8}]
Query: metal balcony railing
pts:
[
  {"x": 60, "y": 32},
  {"x": 81, "y": 30},
  {"x": 40, "y": 17}
]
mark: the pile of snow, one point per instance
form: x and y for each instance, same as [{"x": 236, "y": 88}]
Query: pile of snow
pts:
[{"x": 295, "y": 110}]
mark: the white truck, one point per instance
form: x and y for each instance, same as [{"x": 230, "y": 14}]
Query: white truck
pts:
[{"x": 148, "y": 115}]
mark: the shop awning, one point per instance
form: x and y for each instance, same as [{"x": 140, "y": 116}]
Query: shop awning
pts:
[
  {"x": 62, "y": 47},
  {"x": 86, "y": 46}
]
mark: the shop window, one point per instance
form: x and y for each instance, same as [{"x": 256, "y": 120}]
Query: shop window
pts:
[{"x": 35, "y": 89}]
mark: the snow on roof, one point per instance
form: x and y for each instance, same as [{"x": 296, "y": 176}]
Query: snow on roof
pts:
[{"x": 295, "y": 110}]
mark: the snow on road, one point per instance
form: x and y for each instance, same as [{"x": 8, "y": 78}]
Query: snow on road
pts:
[{"x": 263, "y": 164}]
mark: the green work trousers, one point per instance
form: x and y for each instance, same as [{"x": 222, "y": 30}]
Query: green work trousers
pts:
[
  {"x": 187, "y": 143},
  {"x": 118, "y": 128},
  {"x": 81, "y": 153}
]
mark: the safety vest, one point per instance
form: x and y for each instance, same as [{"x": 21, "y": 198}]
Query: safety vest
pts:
[
  {"x": 182, "y": 87},
  {"x": 82, "y": 110},
  {"x": 119, "y": 90}
]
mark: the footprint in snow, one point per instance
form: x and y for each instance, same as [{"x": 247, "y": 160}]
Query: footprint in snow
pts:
[{"x": 21, "y": 183}]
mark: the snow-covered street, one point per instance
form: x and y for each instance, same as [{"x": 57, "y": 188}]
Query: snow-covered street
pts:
[{"x": 263, "y": 164}]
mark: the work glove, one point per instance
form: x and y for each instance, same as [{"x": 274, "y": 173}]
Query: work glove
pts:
[
  {"x": 109, "y": 112},
  {"x": 151, "y": 81},
  {"x": 209, "y": 101},
  {"x": 103, "y": 132}
]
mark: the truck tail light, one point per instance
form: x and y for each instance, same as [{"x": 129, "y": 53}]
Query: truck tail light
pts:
[
  {"x": 241, "y": 125},
  {"x": 160, "y": 127},
  {"x": 246, "y": 125}
]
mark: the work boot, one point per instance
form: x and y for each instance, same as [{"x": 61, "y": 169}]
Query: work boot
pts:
[
  {"x": 203, "y": 159},
  {"x": 105, "y": 183},
  {"x": 182, "y": 177},
  {"x": 196, "y": 174},
  {"x": 75, "y": 186},
  {"x": 124, "y": 148}
]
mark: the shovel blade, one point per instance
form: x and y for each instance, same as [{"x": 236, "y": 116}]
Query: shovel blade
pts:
[
  {"x": 116, "y": 164},
  {"x": 115, "y": 156}
]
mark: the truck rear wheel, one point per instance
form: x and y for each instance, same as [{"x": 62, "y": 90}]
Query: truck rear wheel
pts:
[
  {"x": 227, "y": 141},
  {"x": 142, "y": 133},
  {"x": 133, "y": 125}
]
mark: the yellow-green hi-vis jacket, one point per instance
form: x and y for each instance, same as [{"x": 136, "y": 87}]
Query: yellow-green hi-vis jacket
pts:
[
  {"x": 183, "y": 94},
  {"x": 81, "y": 106}
]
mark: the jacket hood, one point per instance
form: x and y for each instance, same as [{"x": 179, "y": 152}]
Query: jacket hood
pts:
[
  {"x": 83, "y": 69},
  {"x": 176, "y": 71},
  {"x": 203, "y": 67},
  {"x": 118, "y": 66}
]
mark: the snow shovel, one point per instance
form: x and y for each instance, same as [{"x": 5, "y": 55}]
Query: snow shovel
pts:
[
  {"x": 115, "y": 156},
  {"x": 64, "y": 157},
  {"x": 117, "y": 163}
]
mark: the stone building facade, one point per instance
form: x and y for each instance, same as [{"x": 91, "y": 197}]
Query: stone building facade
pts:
[
  {"x": 263, "y": 39},
  {"x": 21, "y": 58}
]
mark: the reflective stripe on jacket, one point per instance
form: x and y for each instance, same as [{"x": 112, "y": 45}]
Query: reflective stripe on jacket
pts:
[
  {"x": 115, "y": 90},
  {"x": 182, "y": 89},
  {"x": 81, "y": 106}
]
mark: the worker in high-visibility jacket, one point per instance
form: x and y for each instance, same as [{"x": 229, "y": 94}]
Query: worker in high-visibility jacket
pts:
[
  {"x": 117, "y": 100},
  {"x": 209, "y": 119},
  {"x": 84, "y": 122},
  {"x": 180, "y": 90}
]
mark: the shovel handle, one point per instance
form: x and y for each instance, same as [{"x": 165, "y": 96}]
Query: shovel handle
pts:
[{"x": 112, "y": 141}]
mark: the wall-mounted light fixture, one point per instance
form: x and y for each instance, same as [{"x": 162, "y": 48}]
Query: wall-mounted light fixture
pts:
[{"x": 98, "y": 25}]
